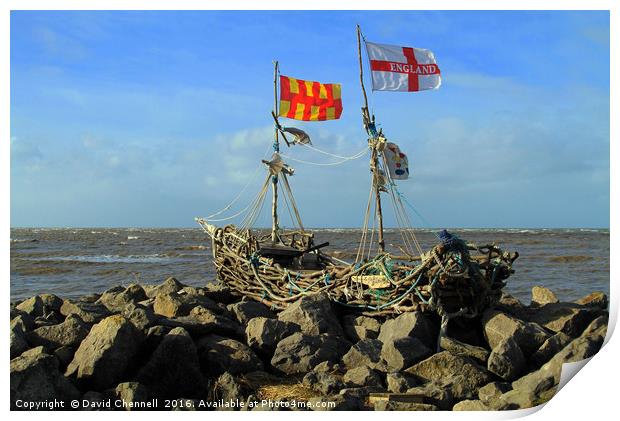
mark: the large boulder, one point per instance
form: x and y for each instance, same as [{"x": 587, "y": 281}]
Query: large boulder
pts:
[
  {"x": 549, "y": 348},
  {"x": 325, "y": 383},
  {"x": 170, "y": 285},
  {"x": 40, "y": 305},
  {"x": 140, "y": 316},
  {"x": 299, "y": 353},
  {"x": 507, "y": 360},
  {"x": 444, "y": 366},
  {"x": 568, "y": 318},
  {"x": 401, "y": 353},
  {"x": 219, "y": 354},
  {"x": 229, "y": 389},
  {"x": 244, "y": 311},
  {"x": 358, "y": 328},
  {"x": 105, "y": 354},
  {"x": 18, "y": 342},
  {"x": 314, "y": 314},
  {"x": 434, "y": 393},
  {"x": 399, "y": 382},
  {"x": 173, "y": 304},
  {"x": 542, "y": 296},
  {"x": 596, "y": 300},
  {"x": 413, "y": 323},
  {"x": 71, "y": 332},
  {"x": 115, "y": 299},
  {"x": 35, "y": 378},
  {"x": 365, "y": 353},
  {"x": 362, "y": 376},
  {"x": 263, "y": 334},
  {"x": 463, "y": 349},
  {"x": 201, "y": 321},
  {"x": 174, "y": 369},
  {"x": 499, "y": 326},
  {"x": 88, "y": 312}
]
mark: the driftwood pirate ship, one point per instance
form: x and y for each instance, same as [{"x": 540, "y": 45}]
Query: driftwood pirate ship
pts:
[{"x": 454, "y": 278}]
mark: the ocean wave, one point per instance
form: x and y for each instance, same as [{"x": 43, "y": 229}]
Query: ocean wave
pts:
[
  {"x": 107, "y": 258},
  {"x": 132, "y": 237}
]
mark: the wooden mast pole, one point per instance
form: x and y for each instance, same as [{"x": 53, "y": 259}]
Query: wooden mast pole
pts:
[
  {"x": 276, "y": 147},
  {"x": 374, "y": 158}
]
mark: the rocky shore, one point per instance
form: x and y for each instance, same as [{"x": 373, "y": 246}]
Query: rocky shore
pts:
[{"x": 177, "y": 347}]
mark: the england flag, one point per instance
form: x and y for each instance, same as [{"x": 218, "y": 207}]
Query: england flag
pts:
[{"x": 403, "y": 69}]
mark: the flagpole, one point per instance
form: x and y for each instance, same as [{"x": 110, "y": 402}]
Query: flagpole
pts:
[
  {"x": 374, "y": 161},
  {"x": 276, "y": 147}
]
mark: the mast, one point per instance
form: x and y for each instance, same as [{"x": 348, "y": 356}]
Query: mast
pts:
[
  {"x": 369, "y": 125},
  {"x": 276, "y": 147}
]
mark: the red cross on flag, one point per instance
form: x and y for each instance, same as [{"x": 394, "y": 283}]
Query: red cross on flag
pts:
[{"x": 402, "y": 68}]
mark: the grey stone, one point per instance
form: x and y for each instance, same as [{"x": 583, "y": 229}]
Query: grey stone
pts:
[
  {"x": 324, "y": 383},
  {"x": 596, "y": 300},
  {"x": 470, "y": 405},
  {"x": 365, "y": 353},
  {"x": 542, "y": 296},
  {"x": 115, "y": 299},
  {"x": 71, "y": 333},
  {"x": 105, "y": 354},
  {"x": 362, "y": 376},
  {"x": 140, "y": 316},
  {"x": 246, "y": 310},
  {"x": 358, "y": 328},
  {"x": 499, "y": 326},
  {"x": 88, "y": 312},
  {"x": 18, "y": 343},
  {"x": 299, "y": 353},
  {"x": 314, "y": 314},
  {"x": 568, "y": 318},
  {"x": 434, "y": 394},
  {"x": 23, "y": 322},
  {"x": 263, "y": 334},
  {"x": 462, "y": 349},
  {"x": 170, "y": 285},
  {"x": 219, "y": 354},
  {"x": 413, "y": 323},
  {"x": 174, "y": 368},
  {"x": 493, "y": 391},
  {"x": 401, "y": 353},
  {"x": 444, "y": 365},
  {"x": 549, "y": 348},
  {"x": 507, "y": 360},
  {"x": 399, "y": 382},
  {"x": 202, "y": 321},
  {"x": 228, "y": 388},
  {"x": 37, "y": 379},
  {"x": 131, "y": 394}
]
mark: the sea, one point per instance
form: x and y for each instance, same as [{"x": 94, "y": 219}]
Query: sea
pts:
[{"x": 72, "y": 262}]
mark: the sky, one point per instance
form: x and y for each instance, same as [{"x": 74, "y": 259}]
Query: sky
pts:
[{"x": 149, "y": 119}]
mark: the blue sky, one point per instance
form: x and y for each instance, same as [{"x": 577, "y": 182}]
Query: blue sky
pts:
[{"x": 152, "y": 118}]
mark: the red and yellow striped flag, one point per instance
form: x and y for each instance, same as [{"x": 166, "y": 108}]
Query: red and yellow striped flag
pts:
[{"x": 309, "y": 101}]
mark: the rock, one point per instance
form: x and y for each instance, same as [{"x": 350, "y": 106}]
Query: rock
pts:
[
  {"x": 412, "y": 323},
  {"x": 37, "y": 379},
  {"x": 115, "y": 299},
  {"x": 246, "y": 310},
  {"x": 201, "y": 321},
  {"x": 32, "y": 306},
  {"x": 299, "y": 353},
  {"x": 88, "y": 312},
  {"x": 360, "y": 393},
  {"x": 549, "y": 348},
  {"x": 324, "y": 383},
  {"x": 229, "y": 389},
  {"x": 170, "y": 285},
  {"x": 51, "y": 302},
  {"x": 174, "y": 369},
  {"x": 444, "y": 365},
  {"x": 23, "y": 322},
  {"x": 401, "y": 353},
  {"x": 435, "y": 394},
  {"x": 170, "y": 305},
  {"x": 71, "y": 333},
  {"x": 219, "y": 354},
  {"x": 507, "y": 360},
  {"x": 597, "y": 329},
  {"x": 596, "y": 300},
  {"x": 132, "y": 394},
  {"x": 327, "y": 367},
  {"x": 499, "y": 326},
  {"x": 511, "y": 305},
  {"x": 365, "y": 353},
  {"x": 141, "y": 317},
  {"x": 399, "y": 382},
  {"x": 219, "y": 292},
  {"x": 470, "y": 405},
  {"x": 462, "y": 349},
  {"x": 314, "y": 314},
  {"x": 521, "y": 399},
  {"x": 104, "y": 355},
  {"x": 385, "y": 405},
  {"x": 362, "y": 376},
  {"x": 568, "y": 318},
  {"x": 18, "y": 343},
  {"x": 492, "y": 391},
  {"x": 263, "y": 334},
  {"x": 64, "y": 354},
  {"x": 35, "y": 352},
  {"x": 358, "y": 328},
  {"x": 542, "y": 296}
]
